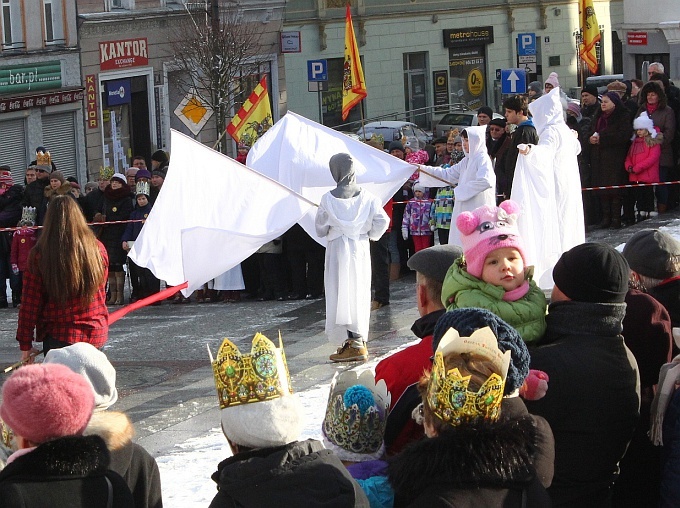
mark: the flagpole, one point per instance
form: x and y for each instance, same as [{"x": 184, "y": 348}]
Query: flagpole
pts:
[
  {"x": 420, "y": 168},
  {"x": 214, "y": 147}
]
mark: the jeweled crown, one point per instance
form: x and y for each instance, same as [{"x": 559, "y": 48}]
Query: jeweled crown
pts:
[
  {"x": 105, "y": 172},
  {"x": 28, "y": 216},
  {"x": 43, "y": 159},
  {"x": 448, "y": 395},
  {"x": 255, "y": 377},
  {"x": 357, "y": 423},
  {"x": 142, "y": 188}
]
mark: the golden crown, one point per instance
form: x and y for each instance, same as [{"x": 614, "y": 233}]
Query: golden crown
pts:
[
  {"x": 105, "y": 173},
  {"x": 356, "y": 414},
  {"x": 43, "y": 158},
  {"x": 448, "y": 395},
  {"x": 255, "y": 377},
  {"x": 453, "y": 133}
]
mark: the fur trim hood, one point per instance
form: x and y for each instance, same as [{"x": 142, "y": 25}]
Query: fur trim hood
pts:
[
  {"x": 113, "y": 427},
  {"x": 481, "y": 455},
  {"x": 62, "y": 190},
  {"x": 653, "y": 141},
  {"x": 116, "y": 194}
]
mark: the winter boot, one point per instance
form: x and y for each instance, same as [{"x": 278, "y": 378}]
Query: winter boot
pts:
[
  {"x": 353, "y": 350},
  {"x": 113, "y": 289},
  {"x": 616, "y": 213},
  {"x": 606, "y": 213}
]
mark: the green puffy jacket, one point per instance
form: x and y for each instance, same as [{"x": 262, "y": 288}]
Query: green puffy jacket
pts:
[{"x": 526, "y": 315}]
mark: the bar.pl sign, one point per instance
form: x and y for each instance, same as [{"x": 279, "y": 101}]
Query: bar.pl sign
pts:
[{"x": 122, "y": 54}]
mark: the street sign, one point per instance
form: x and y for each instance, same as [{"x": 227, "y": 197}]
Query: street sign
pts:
[
  {"x": 530, "y": 67},
  {"x": 513, "y": 81},
  {"x": 526, "y": 44},
  {"x": 317, "y": 70},
  {"x": 317, "y": 86}
]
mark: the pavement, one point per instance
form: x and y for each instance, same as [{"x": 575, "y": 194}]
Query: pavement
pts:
[{"x": 161, "y": 353}]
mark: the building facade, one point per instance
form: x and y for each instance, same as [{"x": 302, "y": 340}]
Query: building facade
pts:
[
  {"x": 41, "y": 92},
  {"x": 418, "y": 55},
  {"x": 650, "y": 34},
  {"x": 132, "y": 80}
]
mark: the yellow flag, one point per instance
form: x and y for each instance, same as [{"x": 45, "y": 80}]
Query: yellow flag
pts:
[
  {"x": 254, "y": 117},
  {"x": 353, "y": 85},
  {"x": 590, "y": 32}
]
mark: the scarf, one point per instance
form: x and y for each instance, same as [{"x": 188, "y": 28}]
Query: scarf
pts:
[{"x": 651, "y": 108}]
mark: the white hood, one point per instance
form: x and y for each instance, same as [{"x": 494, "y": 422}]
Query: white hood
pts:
[
  {"x": 547, "y": 110},
  {"x": 477, "y": 140}
]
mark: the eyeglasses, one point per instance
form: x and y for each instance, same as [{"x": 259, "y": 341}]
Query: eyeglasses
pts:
[{"x": 496, "y": 129}]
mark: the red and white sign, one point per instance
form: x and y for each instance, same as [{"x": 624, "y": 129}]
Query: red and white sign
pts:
[
  {"x": 122, "y": 54},
  {"x": 637, "y": 38},
  {"x": 91, "y": 101}
]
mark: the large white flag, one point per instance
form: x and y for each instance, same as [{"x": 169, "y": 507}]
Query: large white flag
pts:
[
  {"x": 296, "y": 151},
  {"x": 211, "y": 214}
]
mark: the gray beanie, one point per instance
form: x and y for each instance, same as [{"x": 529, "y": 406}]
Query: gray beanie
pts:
[{"x": 85, "y": 359}]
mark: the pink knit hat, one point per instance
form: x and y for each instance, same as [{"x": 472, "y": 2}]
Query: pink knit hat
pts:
[
  {"x": 43, "y": 402},
  {"x": 486, "y": 229},
  {"x": 553, "y": 79}
]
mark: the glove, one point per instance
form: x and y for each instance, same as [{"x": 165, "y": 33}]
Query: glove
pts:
[
  {"x": 535, "y": 385},
  {"x": 404, "y": 233},
  {"x": 15, "y": 269},
  {"x": 432, "y": 227},
  {"x": 98, "y": 217}
]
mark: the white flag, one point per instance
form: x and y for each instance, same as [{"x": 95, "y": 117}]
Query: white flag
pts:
[
  {"x": 296, "y": 151},
  {"x": 211, "y": 214}
]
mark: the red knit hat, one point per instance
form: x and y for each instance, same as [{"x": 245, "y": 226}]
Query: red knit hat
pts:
[
  {"x": 486, "y": 229},
  {"x": 43, "y": 402}
]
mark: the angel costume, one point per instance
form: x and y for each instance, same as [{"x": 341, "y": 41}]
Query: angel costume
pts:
[
  {"x": 474, "y": 175},
  {"x": 349, "y": 224},
  {"x": 548, "y": 187}
]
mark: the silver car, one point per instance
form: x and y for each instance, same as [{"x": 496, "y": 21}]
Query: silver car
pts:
[
  {"x": 459, "y": 120},
  {"x": 392, "y": 130}
]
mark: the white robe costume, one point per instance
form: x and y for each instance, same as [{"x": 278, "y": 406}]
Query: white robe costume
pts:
[
  {"x": 474, "y": 175},
  {"x": 547, "y": 185},
  {"x": 349, "y": 224}
]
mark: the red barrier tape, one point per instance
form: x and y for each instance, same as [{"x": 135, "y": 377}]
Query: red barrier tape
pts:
[
  {"x": 89, "y": 224},
  {"x": 161, "y": 295}
]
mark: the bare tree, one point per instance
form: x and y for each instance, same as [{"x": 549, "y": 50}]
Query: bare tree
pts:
[{"x": 215, "y": 55}]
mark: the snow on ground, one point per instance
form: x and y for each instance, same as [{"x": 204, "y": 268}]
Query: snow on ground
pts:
[{"x": 186, "y": 470}]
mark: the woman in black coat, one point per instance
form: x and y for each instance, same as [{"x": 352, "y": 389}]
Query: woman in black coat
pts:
[
  {"x": 610, "y": 135},
  {"x": 117, "y": 207}
]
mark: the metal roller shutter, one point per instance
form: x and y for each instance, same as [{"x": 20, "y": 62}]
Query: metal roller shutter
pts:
[
  {"x": 59, "y": 137},
  {"x": 13, "y": 147}
]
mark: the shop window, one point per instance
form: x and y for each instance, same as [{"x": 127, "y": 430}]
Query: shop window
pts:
[
  {"x": 339, "y": 4},
  {"x": 119, "y": 4},
  {"x": 12, "y": 30},
  {"x": 54, "y": 22}
]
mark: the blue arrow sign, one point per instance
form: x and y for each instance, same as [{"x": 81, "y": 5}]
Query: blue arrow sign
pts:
[{"x": 513, "y": 81}]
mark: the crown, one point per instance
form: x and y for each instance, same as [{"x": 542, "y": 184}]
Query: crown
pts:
[
  {"x": 448, "y": 395},
  {"x": 453, "y": 133},
  {"x": 356, "y": 413},
  {"x": 105, "y": 173},
  {"x": 142, "y": 188},
  {"x": 28, "y": 216},
  {"x": 243, "y": 379},
  {"x": 43, "y": 159}
]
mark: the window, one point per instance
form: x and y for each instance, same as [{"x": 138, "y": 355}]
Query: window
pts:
[
  {"x": 54, "y": 22},
  {"x": 12, "y": 31}
]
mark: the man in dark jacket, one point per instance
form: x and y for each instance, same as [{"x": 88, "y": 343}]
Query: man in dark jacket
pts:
[
  {"x": 654, "y": 259},
  {"x": 34, "y": 193},
  {"x": 402, "y": 370},
  {"x": 593, "y": 400},
  {"x": 516, "y": 113},
  {"x": 269, "y": 466}
]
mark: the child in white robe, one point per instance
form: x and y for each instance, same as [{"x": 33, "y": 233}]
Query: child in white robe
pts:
[{"x": 349, "y": 217}]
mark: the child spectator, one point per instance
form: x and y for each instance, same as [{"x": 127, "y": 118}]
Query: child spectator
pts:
[
  {"x": 474, "y": 176},
  {"x": 417, "y": 219},
  {"x": 492, "y": 274},
  {"x": 242, "y": 153},
  {"x": 23, "y": 241},
  {"x": 457, "y": 153},
  {"x": 48, "y": 407},
  {"x": 358, "y": 398},
  {"x": 144, "y": 282},
  {"x": 441, "y": 211},
  {"x": 642, "y": 164}
]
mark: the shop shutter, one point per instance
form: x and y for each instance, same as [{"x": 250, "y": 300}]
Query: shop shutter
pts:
[
  {"x": 13, "y": 147},
  {"x": 59, "y": 137}
]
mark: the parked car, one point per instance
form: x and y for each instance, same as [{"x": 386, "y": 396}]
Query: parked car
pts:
[
  {"x": 395, "y": 130},
  {"x": 458, "y": 119},
  {"x": 601, "y": 82}
]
